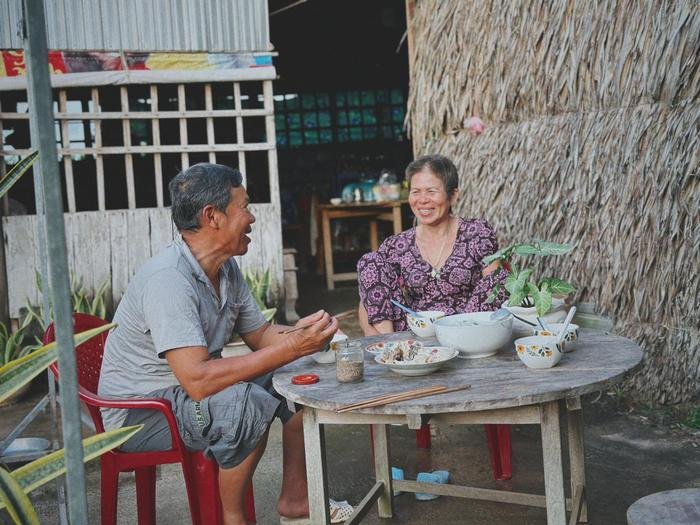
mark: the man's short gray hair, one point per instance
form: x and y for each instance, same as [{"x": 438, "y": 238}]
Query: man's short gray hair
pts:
[{"x": 198, "y": 186}]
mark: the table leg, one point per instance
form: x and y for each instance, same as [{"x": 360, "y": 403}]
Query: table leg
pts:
[
  {"x": 553, "y": 468},
  {"x": 396, "y": 212},
  {"x": 316, "y": 475},
  {"x": 327, "y": 249},
  {"x": 574, "y": 419},
  {"x": 382, "y": 469},
  {"x": 373, "y": 237}
]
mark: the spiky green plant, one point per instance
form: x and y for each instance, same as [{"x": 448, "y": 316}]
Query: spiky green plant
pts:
[
  {"x": 13, "y": 346},
  {"x": 17, "y": 373},
  {"x": 259, "y": 284},
  {"x": 15, "y": 485},
  {"x": 82, "y": 300},
  {"x": 16, "y": 172},
  {"x": 523, "y": 289}
]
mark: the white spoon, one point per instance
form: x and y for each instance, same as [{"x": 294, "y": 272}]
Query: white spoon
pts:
[{"x": 564, "y": 328}]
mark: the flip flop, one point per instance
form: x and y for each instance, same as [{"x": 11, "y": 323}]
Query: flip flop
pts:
[
  {"x": 340, "y": 511},
  {"x": 438, "y": 476}
]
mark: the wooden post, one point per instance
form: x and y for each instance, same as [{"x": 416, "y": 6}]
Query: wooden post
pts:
[
  {"x": 99, "y": 164},
  {"x": 410, "y": 42},
  {"x": 128, "y": 159},
  {"x": 184, "y": 141},
  {"x": 157, "y": 161},
  {"x": 327, "y": 249},
  {"x": 574, "y": 419},
  {"x": 316, "y": 475},
  {"x": 67, "y": 159},
  {"x": 553, "y": 468},
  {"x": 382, "y": 470}
]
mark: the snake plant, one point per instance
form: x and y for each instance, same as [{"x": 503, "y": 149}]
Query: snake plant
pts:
[
  {"x": 16, "y": 172},
  {"x": 17, "y": 373},
  {"x": 259, "y": 284},
  {"x": 15, "y": 485}
]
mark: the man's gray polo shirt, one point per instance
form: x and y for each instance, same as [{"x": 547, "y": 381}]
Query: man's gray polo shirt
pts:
[{"x": 170, "y": 303}]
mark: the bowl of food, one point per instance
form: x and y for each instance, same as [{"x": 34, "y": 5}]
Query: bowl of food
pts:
[
  {"x": 378, "y": 348},
  {"x": 422, "y": 324},
  {"x": 539, "y": 351},
  {"x": 327, "y": 355},
  {"x": 555, "y": 329},
  {"x": 412, "y": 360},
  {"x": 474, "y": 334}
]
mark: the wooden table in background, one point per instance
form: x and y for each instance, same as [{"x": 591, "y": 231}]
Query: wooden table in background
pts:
[
  {"x": 375, "y": 211},
  {"x": 503, "y": 391}
]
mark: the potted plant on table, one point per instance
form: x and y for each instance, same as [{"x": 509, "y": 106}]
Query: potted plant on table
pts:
[{"x": 528, "y": 296}]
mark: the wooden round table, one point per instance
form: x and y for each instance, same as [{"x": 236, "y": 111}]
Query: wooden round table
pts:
[
  {"x": 502, "y": 391},
  {"x": 671, "y": 507}
]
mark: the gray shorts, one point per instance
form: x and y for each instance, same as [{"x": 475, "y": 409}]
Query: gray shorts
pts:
[{"x": 226, "y": 426}]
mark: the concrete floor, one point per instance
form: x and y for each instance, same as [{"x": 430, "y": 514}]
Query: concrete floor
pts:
[{"x": 626, "y": 458}]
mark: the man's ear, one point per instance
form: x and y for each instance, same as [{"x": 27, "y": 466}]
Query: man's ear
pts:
[{"x": 209, "y": 217}]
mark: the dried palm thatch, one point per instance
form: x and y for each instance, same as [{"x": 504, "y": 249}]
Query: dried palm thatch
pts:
[{"x": 594, "y": 138}]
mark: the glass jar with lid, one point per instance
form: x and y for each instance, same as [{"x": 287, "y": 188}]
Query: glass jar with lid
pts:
[{"x": 349, "y": 362}]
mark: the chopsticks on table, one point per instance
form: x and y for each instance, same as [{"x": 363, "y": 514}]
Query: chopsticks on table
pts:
[
  {"x": 401, "y": 396},
  {"x": 339, "y": 317}
]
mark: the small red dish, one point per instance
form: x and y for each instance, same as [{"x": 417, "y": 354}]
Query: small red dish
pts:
[{"x": 305, "y": 379}]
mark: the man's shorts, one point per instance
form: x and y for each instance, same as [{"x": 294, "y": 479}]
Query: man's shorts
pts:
[{"x": 226, "y": 426}]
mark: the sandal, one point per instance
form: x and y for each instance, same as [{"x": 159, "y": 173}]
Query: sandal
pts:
[{"x": 339, "y": 510}]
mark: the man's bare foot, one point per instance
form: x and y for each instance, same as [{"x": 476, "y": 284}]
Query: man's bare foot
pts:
[{"x": 293, "y": 509}]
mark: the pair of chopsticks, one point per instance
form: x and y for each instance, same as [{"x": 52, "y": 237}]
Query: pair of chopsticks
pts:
[
  {"x": 401, "y": 396},
  {"x": 340, "y": 316}
]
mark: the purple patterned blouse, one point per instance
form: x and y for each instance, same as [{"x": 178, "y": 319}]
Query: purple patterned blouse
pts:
[{"x": 398, "y": 271}]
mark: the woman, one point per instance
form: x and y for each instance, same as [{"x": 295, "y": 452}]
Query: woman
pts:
[{"x": 434, "y": 266}]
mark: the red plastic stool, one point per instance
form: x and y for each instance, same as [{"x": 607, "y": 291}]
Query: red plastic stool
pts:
[{"x": 498, "y": 439}]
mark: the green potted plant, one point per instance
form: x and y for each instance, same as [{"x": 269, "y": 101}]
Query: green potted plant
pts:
[{"x": 530, "y": 296}]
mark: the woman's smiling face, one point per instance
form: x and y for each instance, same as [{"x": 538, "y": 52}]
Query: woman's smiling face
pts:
[{"x": 428, "y": 199}]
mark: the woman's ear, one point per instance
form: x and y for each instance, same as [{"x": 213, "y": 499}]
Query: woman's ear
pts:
[{"x": 454, "y": 197}]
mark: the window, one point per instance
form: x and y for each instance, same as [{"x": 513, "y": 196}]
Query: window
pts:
[{"x": 308, "y": 119}]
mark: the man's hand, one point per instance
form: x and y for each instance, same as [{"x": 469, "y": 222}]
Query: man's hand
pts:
[{"x": 318, "y": 331}]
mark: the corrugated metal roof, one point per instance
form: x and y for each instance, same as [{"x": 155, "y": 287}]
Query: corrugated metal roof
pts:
[{"x": 153, "y": 25}]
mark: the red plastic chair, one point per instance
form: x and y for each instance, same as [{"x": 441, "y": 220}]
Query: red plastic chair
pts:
[
  {"x": 498, "y": 439},
  {"x": 201, "y": 474}
]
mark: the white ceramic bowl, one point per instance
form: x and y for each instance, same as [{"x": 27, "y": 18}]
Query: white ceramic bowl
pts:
[
  {"x": 538, "y": 351},
  {"x": 422, "y": 324},
  {"x": 327, "y": 355},
  {"x": 440, "y": 354},
  {"x": 474, "y": 334},
  {"x": 336, "y": 200},
  {"x": 556, "y": 328}
]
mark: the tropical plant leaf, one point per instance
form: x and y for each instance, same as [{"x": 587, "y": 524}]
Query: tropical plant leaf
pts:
[
  {"x": 526, "y": 249},
  {"x": 269, "y": 314},
  {"x": 16, "y": 172},
  {"x": 552, "y": 248},
  {"x": 542, "y": 298},
  {"x": 516, "y": 298},
  {"x": 558, "y": 286},
  {"x": 42, "y": 470},
  {"x": 15, "y": 499},
  {"x": 17, "y": 373},
  {"x": 500, "y": 254}
]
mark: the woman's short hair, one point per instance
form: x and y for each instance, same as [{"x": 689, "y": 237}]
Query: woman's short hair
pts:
[
  {"x": 198, "y": 186},
  {"x": 442, "y": 167}
]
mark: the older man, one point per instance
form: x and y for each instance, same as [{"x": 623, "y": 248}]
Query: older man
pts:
[{"x": 176, "y": 315}]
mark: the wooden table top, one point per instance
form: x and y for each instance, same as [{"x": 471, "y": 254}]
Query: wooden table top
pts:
[
  {"x": 501, "y": 381},
  {"x": 351, "y": 205}
]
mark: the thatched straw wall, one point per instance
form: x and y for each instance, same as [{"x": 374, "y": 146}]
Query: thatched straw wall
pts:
[{"x": 593, "y": 137}]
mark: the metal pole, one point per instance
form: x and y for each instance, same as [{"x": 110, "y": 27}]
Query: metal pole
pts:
[{"x": 41, "y": 111}]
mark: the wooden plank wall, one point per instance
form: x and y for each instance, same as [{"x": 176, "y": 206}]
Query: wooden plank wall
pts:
[{"x": 111, "y": 245}]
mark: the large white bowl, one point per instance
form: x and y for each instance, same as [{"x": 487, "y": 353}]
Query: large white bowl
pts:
[
  {"x": 474, "y": 334},
  {"x": 422, "y": 324},
  {"x": 407, "y": 368}
]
